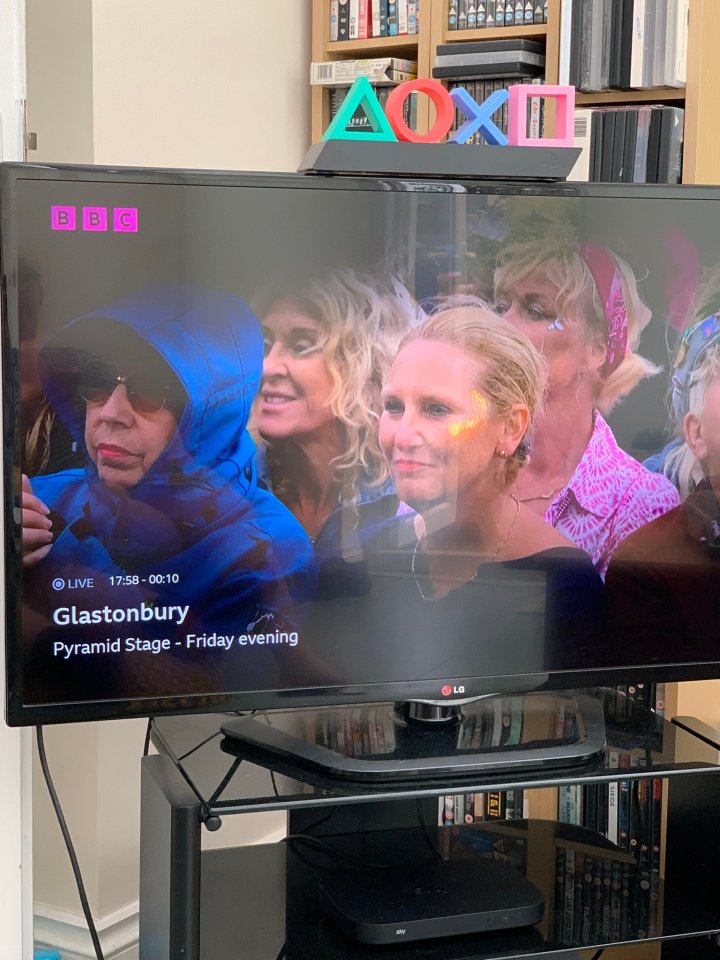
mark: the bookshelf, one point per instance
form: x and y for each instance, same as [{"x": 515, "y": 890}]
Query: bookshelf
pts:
[{"x": 701, "y": 158}]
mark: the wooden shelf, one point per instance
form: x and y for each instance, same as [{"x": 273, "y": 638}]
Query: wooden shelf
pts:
[
  {"x": 528, "y": 31},
  {"x": 380, "y": 46},
  {"x": 611, "y": 97}
]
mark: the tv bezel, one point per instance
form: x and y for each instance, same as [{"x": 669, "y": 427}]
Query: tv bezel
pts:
[{"x": 21, "y": 714}]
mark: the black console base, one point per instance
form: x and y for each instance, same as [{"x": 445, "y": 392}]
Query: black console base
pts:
[{"x": 444, "y": 160}]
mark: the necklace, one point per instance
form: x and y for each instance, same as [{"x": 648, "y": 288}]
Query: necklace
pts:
[
  {"x": 494, "y": 557},
  {"x": 542, "y": 496}
]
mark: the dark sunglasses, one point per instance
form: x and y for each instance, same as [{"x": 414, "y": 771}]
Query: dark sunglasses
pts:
[{"x": 143, "y": 395}]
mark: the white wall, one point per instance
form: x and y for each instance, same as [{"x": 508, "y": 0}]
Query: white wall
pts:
[{"x": 221, "y": 84}]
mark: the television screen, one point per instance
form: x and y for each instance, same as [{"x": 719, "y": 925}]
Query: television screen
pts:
[{"x": 277, "y": 440}]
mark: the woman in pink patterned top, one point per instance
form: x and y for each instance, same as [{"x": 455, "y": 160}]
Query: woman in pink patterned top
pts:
[{"x": 581, "y": 308}]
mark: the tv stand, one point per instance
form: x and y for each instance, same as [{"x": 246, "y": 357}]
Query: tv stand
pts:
[
  {"x": 200, "y": 906},
  {"x": 406, "y": 741}
]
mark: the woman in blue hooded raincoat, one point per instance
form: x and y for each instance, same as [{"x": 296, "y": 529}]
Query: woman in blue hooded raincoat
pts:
[{"x": 165, "y": 535}]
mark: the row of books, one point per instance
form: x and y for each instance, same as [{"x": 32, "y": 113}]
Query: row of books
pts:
[
  {"x": 594, "y": 893},
  {"x": 601, "y": 898},
  {"x": 623, "y": 44},
  {"x": 359, "y": 120},
  {"x": 481, "y": 807},
  {"x": 479, "y": 14},
  {"x": 627, "y": 812},
  {"x": 363, "y": 19},
  {"x": 481, "y": 90},
  {"x": 629, "y": 144}
]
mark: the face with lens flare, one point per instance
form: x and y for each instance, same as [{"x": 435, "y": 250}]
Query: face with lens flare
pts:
[
  {"x": 438, "y": 430},
  {"x": 128, "y": 424}
]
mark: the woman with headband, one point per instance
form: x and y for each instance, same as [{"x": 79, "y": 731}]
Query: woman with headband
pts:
[
  {"x": 665, "y": 578},
  {"x": 581, "y": 308}
]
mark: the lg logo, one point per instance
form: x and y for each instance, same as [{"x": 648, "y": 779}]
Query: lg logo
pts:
[
  {"x": 95, "y": 219},
  {"x": 448, "y": 689}
]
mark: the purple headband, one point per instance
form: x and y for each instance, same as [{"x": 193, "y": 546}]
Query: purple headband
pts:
[{"x": 604, "y": 271}]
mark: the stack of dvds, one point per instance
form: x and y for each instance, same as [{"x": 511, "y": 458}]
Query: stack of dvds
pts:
[
  {"x": 484, "y": 66},
  {"x": 494, "y": 58},
  {"x": 486, "y": 14},
  {"x": 381, "y": 70}
]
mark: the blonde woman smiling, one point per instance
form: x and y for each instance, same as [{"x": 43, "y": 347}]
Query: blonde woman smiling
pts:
[{"x": 329, "y": 343}]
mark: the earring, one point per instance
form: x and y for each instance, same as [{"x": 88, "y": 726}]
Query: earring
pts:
[
  {"x": 502, "y": 454},
  {"x": 556, "y": 324}
]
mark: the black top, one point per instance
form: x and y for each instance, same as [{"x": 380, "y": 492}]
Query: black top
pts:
[
  {"x": 538, "y": 613},
  {"x": 664, "y": 585}
]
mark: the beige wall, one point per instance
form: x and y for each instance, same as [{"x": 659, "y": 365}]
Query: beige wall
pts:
[
  {"x": 700, "y": 699},
  {"x": 222, "y": 85},
  {"x": 94, "y": 768},
  {"x": 59, "y": 83},
  {"x": 176, "y": 84}
]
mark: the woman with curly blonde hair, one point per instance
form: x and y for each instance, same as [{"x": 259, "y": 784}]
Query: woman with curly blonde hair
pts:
[
  {"x": 580, "y": 306},
  {"x": 329, "y": 342}
]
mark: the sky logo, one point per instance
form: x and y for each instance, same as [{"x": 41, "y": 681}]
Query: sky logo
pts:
[{"x": 94, "y": 219}]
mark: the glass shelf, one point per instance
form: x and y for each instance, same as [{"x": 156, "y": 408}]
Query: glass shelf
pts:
[
  {"x": 231, "y": 779},
  {"x": 278, "y": 883}
]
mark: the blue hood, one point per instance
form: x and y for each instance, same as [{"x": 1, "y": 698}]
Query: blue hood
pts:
[{"x": 213, "y": 343}]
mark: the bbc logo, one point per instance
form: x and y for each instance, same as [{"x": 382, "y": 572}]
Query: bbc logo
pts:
[{"x": 95, "y": 219}]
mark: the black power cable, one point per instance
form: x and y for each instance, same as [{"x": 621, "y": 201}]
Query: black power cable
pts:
[
  {"x": 331, "y": 851},
  {"x": 68, "y": 843},
  {"x": 148, "y": 732}
]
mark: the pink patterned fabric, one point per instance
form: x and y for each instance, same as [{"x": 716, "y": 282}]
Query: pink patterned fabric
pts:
[
  {"x": 605, "y": 273},
  {"x": 608, "y": 496}
]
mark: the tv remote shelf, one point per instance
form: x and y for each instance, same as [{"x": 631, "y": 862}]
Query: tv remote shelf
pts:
[{"x": 200, "y": 906}]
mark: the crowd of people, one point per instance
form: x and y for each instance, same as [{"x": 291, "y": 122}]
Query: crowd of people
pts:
[{"x": 408, "y": 490}]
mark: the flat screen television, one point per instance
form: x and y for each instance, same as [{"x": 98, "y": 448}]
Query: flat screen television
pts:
[{"x": 277, "y": 441}]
